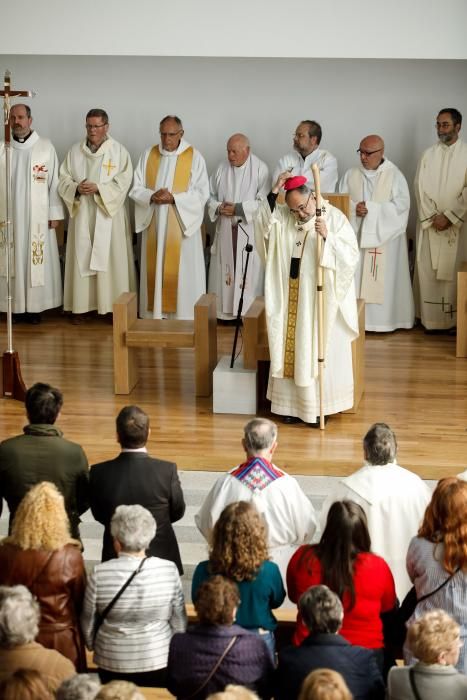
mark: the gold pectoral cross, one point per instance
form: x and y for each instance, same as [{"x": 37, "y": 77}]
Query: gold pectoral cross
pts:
[{"x": 109, "y": 166}]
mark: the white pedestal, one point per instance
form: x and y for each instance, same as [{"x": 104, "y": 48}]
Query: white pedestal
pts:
[{"x": 234, "y": 390}]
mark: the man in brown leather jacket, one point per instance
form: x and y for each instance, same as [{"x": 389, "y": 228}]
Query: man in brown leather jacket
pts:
[{"x": 43, "y": 454}]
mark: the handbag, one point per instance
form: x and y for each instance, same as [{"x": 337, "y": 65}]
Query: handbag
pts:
[
  {"x": 394, "y": 621},
  {"x": 100, "y": 617},
  {"x": 214, "y": 669}
]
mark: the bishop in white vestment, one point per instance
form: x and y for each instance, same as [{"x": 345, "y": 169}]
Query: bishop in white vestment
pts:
[
  {"x": 380, "y": 204},
  {"x": 94, "y": 180},
  {"x": 290, "y": 233},
  {"x": 441, "y": 191},
  {"x": 306, "y": 153},
  {"x": 170, "y": 190},
  {"x": 237, "y": 187},
  {"x": 394, "y": 500},
  {"x": 36, "y": 208}
]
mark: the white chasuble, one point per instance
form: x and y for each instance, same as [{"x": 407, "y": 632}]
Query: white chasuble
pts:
[
  {"x": 297, "y": 165},
  {"x": 440, "y": 188},
  {"x": 36, "y": 275},
  {"x": 300, "y": 396},
  {"x": 189, "y": 209},
  {"x": 394, "y": 500},
  {"x": 244, "y": 186},
  {"x": 383, "y": 275},
  {"x": 99, "y": 257},
  {"x": 290, "y": 517}
]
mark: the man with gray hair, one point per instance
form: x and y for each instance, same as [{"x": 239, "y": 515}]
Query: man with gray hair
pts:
[
  {"x": 19, "y": 626},
  {"x": 394, "y": 500},
  {"x": 322, "y": 612},
  {"x": 236, "y": 188},
  {"x": 170, "y": 190},
  {"x": 83, "y": 686},
  {"x": 289, "y": 515}
]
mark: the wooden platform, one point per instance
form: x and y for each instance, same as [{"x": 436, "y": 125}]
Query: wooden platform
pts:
[{"x": 413, "y": 382}]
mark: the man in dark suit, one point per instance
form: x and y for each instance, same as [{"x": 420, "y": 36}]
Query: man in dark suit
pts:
[
  {"x": 136, "y": 478},
  {"x": 322, "y": 612}
]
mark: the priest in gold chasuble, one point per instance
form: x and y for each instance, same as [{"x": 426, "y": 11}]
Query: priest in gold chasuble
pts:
[
  {"x": 170, "y": 190},
  {"x": 288, "y": 233}
]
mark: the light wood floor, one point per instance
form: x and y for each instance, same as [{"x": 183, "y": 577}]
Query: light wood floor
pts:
[{"x": 413, "y": 382}]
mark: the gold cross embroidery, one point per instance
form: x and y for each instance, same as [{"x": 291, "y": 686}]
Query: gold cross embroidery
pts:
[{"x": 109, "y": 166}]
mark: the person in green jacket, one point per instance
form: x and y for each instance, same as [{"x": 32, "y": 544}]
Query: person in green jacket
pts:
[{"x": 43, "y": 454}]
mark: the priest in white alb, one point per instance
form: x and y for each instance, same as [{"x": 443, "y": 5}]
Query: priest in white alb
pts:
[
  {"x": 289, "y": 515},
  {"x": 37, "y": 209},
  {"x": 236, "y": 188},
  {"x": 394, "y": 500},
  {"x": 380, "y": 203},
  {"x": 441, "y": 191},
  {"x": 307, "y": 152},
  {"x": 289, "y": 233},
  {"x": 94, "y": 181},
  {"x": 170, "y": 190}
]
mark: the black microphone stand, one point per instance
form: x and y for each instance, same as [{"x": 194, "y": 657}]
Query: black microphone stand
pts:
[{"x": 249, "y": 250}]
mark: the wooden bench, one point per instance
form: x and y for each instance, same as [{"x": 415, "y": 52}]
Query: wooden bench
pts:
[
  {"x": 130, "y": 332},
  {"x": 256, "y": 346},
  {"x": 461, "y": 341}
]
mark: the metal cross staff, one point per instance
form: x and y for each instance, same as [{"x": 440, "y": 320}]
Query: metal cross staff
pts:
[{"x": 13, "y": 385}]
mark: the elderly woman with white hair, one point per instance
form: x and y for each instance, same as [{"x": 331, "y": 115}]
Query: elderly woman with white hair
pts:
[
  {"x": 19, "y": 626},
  {"x": 133, "y": 605},
  {"x": 83, "y": 686}
]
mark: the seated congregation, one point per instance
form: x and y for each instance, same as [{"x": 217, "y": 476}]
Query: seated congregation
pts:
[{"x": 346, "y": 580}]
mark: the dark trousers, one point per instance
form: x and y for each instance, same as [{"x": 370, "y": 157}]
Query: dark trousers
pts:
[{"x": 149, "y": 679}]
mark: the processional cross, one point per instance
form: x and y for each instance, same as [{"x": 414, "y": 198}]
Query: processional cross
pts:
[{"x": 13, "y": 385}]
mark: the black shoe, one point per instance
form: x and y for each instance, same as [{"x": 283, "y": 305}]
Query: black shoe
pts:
[
  {"x": 316, "y": 423},
  {"x": 290, "y": 420},
  {"x": 35, "y": 319}
]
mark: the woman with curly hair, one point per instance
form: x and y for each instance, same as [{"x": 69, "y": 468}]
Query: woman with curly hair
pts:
[
  {"x": 41, "y": 555},
  {"x": 239, "y": 552},
  {"x": 342, "y": 560},
  {"x": 216, "y": 651},
  {"x": 438, "y": 555}
]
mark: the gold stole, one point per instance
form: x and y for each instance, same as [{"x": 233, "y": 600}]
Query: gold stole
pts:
[
  {"x": 173, "y": 239},
  {"x": 294, "y": 289}
]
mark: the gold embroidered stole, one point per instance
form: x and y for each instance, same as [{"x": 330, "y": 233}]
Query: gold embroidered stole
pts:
[
  {"x": 294, "y": 289},
  {"x": 174, "y": 232}
]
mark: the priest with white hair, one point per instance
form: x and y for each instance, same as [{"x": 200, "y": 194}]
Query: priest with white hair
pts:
[
  {"x": 236, "y": 188},
  {"x": 380, "y": 203},
  {"x": 170, "y": 189}
]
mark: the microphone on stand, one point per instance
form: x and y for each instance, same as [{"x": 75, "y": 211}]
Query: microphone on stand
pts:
[{"x": 249, "y": 249}]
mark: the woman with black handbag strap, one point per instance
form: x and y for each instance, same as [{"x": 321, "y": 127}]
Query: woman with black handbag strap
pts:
[
  {"x": 438, "y": 555},
  {"x": 133, "y": 604}
]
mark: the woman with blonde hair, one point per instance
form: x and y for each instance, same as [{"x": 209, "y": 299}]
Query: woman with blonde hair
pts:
[
  {"x": 434, "y": 639},
  {"x": 26, "y": 684},
  {"x": 41, "y": 555},
  {"x": 239, "y": 551},
  {"x": 437, "y": 559},
  {"x": 324, "y": 684}
]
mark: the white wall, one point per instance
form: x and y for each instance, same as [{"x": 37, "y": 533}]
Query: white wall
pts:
[
  {"x": 267, "y": 28},
  {"x": 265, "y": 98}
]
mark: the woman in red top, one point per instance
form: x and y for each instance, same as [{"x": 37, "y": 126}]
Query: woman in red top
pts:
[{"x": 342, "y": 561}]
